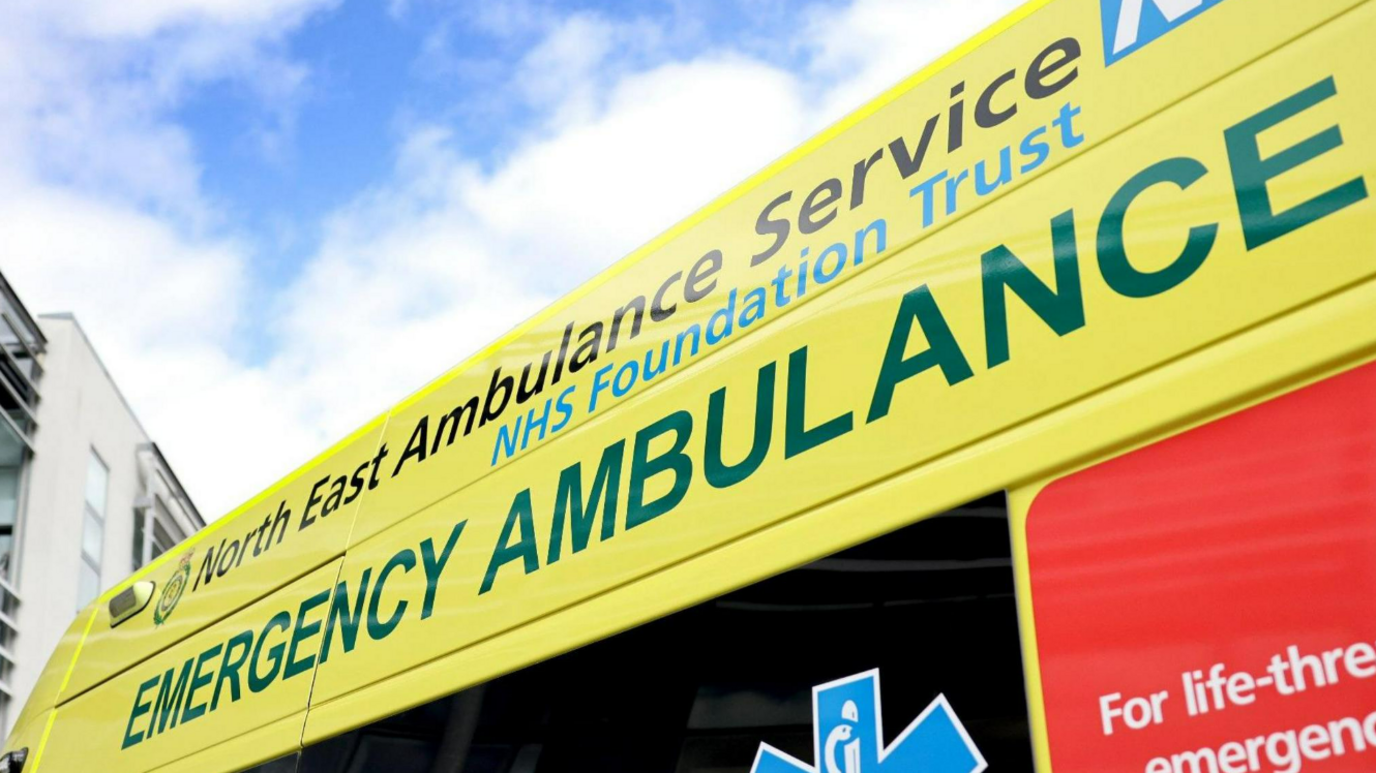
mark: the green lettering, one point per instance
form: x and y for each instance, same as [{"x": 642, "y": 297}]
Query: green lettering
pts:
[
  {"x": 942, "y": 350},
  {"x": 569, "y": 499},
  {"x": 520, "y": 516},
  {"x": 301, "y": 633},
  {"x": 258, "y": 682},
  {"x": 1260, "y": 223},
  {"x": 718, "y": 473},
  {"x": 1063, "y": 309},
  {"x": 230, "y": 665},
  {"x": 434, "y": 566},
  {"x": 381, "y": 629},
  {"x": 169, "y": 701},
  {"x": 672, "y": 461},
  {"x": 199, "y": 679},
  {"x": 797, "y": 437},
  {"x": 140, "y": 708},
  {"x": 1119, "y": 273},
  {"x": 339, "y": 615}
]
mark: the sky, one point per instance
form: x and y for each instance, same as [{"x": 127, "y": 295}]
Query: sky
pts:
[{"x": 276, "y": 218}]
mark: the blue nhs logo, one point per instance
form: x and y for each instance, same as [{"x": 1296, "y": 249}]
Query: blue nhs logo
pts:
[{"x": 1131, "y": 24}]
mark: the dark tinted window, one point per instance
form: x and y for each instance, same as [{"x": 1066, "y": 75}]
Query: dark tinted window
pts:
[
  {"x": 930, "y": 606},
  {"x": 285, "y": 764}
]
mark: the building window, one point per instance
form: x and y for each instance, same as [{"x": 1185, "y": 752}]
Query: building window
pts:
[
  {"x": 92, "y": 530},
  {"x": 11, "y": 469},
  {"x": 165, "y": 533},
  {"x": 155, "y": 532}
]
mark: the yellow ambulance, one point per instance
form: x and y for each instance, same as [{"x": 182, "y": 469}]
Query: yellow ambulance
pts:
[{"x": 1023, "y": 420}]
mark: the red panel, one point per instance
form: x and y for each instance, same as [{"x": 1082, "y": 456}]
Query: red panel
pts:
[{"x": 1226, "y": 544}]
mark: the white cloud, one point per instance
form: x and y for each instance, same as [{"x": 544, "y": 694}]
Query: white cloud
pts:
[
  {"x": 415, "y": 273},
  {"x": 156, "y": 287},
  {"x": 423, "y": 271},
  {"x": 87, "y": 87},
  {"x": 665, "y": 142},
  {"x": 868, "y": 46},
  {"x": 104, "y": 215},
  {"x": 143, "y": 18}
]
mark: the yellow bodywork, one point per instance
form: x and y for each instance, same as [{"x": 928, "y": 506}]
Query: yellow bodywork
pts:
[{"x": 451, "y": 526}]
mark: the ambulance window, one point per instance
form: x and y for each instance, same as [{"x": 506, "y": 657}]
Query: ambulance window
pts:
[{"x": 920, "y": 624}]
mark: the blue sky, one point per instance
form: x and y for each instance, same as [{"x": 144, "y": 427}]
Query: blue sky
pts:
[
  {"x": 277, "y": 217},
  {"x": 374, "y": 71}
]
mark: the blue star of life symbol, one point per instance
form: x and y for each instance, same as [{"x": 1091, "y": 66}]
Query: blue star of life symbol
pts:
[{"x": 848, "y": 736}]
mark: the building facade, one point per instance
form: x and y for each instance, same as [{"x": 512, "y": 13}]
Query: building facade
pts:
[{"x": 86, "y": 497}]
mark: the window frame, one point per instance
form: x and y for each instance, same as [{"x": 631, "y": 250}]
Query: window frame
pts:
[
  {"x": 88, "y": 511},
  {"x": 147, "y": 520}
]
